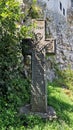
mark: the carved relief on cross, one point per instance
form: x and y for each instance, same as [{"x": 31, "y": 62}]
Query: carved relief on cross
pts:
[
  {"x": 41, "y": 47},
  {"x": 41, "y": 42},
  {"x": 38, "y": 49}
]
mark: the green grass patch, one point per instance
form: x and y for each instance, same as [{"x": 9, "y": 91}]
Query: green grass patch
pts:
[
  {"x": 62, "y": 101},
  {"x": 59, "y": 96}
]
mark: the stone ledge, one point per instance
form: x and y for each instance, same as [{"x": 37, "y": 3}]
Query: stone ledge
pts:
[{"x": 50, "y": 114}]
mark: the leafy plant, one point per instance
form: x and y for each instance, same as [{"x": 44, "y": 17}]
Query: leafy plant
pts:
[{"x": 14, "y": 88}]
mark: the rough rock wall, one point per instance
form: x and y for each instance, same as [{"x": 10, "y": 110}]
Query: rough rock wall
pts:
[{"x": 62, "y": 30}]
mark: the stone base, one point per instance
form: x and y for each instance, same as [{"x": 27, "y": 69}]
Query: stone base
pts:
[{"x": 50, "y": 114}]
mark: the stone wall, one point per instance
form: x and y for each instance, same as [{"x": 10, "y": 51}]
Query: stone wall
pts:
[
  {"x": 70, "y": 16},
  {"x": 62, "y": 30},
  {"x": 54, "y": 5}
]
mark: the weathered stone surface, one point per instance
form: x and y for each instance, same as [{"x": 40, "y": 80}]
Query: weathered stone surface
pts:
[
  {"x": 58, "y": 28},
  {"x": 38, "y": 89},
  {"x": 49, "y": 114},
  {"x": 61, "y": 29},
  {"x": 70, "y": 16},
  {"x": 38, "y": 49}
]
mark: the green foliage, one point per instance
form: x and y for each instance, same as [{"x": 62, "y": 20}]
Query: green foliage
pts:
[
  {"x": 32, "y": 11},
  {"x": 62, "y": 103},
  {"x": 68, "y": 78},
  {"x": 9, "y": 46},
  {"x": 9, "y": 106},
  {"x": 14, "y": 89},
  {"x": 65, "y": 78},
  {"x": 62, "y": 100}
]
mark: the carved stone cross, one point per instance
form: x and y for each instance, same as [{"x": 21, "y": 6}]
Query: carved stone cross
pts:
[{"x": 38, "y": 50}]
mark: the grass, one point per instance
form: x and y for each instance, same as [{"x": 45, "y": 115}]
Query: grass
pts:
[
  {"x": 60, "y": 97},
  {"x": 62, "y": 101}
]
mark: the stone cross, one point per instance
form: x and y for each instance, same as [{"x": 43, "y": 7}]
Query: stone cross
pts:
[{"x": 38, "y": 49}]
